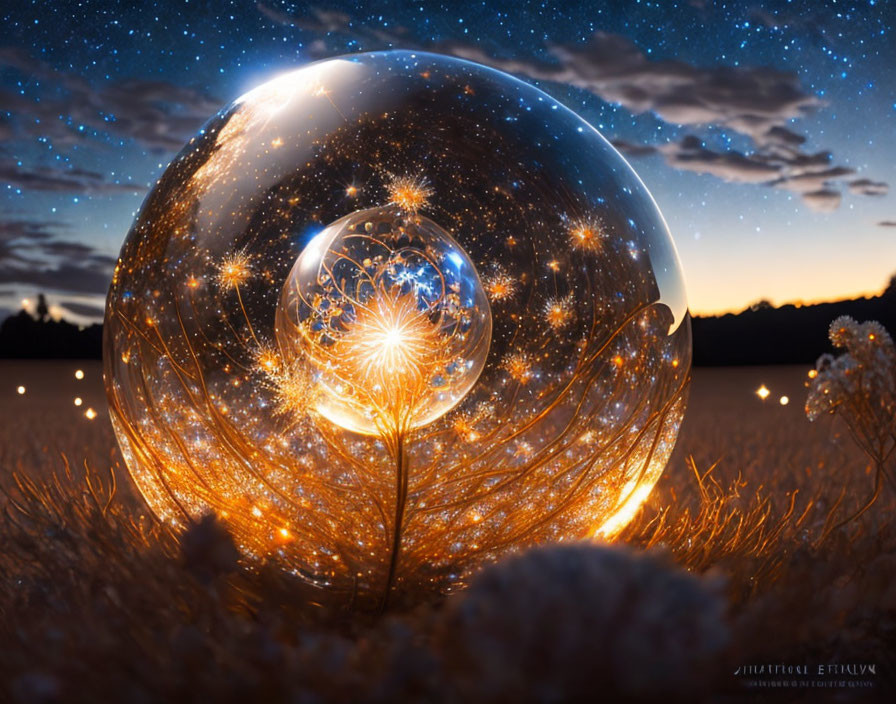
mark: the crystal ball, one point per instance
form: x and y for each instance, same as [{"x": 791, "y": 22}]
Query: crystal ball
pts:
[
  {"x": 382, "y": 296},
  {"x": 392, "y": 316}
]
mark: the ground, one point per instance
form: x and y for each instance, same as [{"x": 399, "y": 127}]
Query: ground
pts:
[{"x": 748, "y": 507}]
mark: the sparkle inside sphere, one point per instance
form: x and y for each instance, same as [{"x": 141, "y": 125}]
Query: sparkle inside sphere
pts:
[{"x": 392, "y": 316}]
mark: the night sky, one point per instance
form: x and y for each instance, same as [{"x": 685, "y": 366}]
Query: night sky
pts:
[{"x": 766, "y": 132}]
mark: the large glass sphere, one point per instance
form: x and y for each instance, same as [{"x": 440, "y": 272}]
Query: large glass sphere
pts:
[{"x": 393, "y": 315}]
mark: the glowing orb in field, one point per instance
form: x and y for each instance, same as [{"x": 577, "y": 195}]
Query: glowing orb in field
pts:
[
  {"x": 392, "y": 316},
  {"x": 389, "y": 313}
]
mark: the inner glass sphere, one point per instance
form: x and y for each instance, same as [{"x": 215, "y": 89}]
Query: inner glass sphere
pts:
[
  {"x": 397, "y": 245},
  {"x": 389, "y": 314}
]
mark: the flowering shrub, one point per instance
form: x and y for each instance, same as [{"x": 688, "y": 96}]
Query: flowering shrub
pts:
[{"x": 859, "y": 386}]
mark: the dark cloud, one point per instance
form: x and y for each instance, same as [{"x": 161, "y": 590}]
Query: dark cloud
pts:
[
  {"x": 31, "y": 230},
  {"x": 73, "y": 278},
  {"x": 783, "y": 137},
  {"x": 160, "y": 115},
  {"x": 824, "y": 201},
  {"x": 633, "y": 149},
  {"x": 757, "y": 102},
  {"x": 752, "y": 101},
  {"x": 83, "y": 309},
  {"x": 867, "y": 187},
  {"x": 31, "y": 253},
  {"x": 690, "y": 154},
  {"x": 50, "y": 178},
  {"x": 809, "y": 175},
  {"x": 887, "y": 223}
]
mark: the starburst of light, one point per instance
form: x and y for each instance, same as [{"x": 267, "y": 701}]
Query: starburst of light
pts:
[
  {"x": 234, "y": 270},
  {"x": 559, "y": 312},
  {"x": 499, "y": 285},
  {"x": 410, "y": 193},
  {"x": 519, "y": 366},
  {"x": 586, "y": 233}
]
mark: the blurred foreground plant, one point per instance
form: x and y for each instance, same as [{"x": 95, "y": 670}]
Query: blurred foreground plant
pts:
[{"x": 859, "y": 386}]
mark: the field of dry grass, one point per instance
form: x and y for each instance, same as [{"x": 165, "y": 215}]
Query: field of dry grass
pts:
[{"x": 733, "y": 562}]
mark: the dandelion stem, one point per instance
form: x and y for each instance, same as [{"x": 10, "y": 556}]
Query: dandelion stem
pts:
[{"x": 401, "y": 494}]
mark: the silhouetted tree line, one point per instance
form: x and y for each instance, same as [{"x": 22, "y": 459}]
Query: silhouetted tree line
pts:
[
  {"x": 786, "y": 335},
  {"x": 25, "y": 337},
  {"x": 761, "y": 334}
]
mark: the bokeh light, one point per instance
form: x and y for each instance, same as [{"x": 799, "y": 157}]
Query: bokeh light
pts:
[{"x": 393, "y": 316}]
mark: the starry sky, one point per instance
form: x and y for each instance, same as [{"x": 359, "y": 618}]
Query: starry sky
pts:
[{"x": 765, "y": 131}]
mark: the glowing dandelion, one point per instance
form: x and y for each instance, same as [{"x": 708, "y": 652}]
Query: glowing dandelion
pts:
[
  {"x": 586, "y": 234},
  {"x": 234, "y": 270},
  {"x": 267, "y": 359},
  {"x": 410, "y": 193},
  {"x": 464, "y": 426},
  {"x": 559, "y": 312},
  {"x": 519, "y": 366},
  {"x": 392, "y": 341},
  {"x": 395, "y": 335},
  {"x": 499, "y": 285}
]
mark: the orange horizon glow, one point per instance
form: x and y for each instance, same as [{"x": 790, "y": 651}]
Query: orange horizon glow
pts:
[{"x": 713, "y": 311}]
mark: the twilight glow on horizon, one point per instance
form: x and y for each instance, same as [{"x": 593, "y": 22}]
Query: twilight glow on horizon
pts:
[{"x": 765, "y": 132}]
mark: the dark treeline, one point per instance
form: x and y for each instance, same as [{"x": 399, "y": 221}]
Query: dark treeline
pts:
[
  {"x": 25, "y": 337},
  {"x": 786, "y": 335},
  {"x": 759, "y": 335}
]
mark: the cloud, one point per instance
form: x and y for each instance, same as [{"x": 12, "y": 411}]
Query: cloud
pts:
[
  {"x": 32, "y": 230},
  {"x": 824, "y": 201},
  {"x": 323, "y": 22},
  {"x": 159, "y": 115},
  {"x": 633, "y": 149},
  {"x": 73, "y": 278},
  {"x": 758, "y": 102},
  {"x": 809, "y": 175},
  {"x": 84, "y": 310},
  {"x": 732, "y": 166},
  {"x": 867, "y": 187},
  {"x": 807, "y": 181},
  {"x": 752, "y": 101},
  {"x": 31, "y": 253},
  {"x": 49, "y": 178},
  {"x": 887, "y": 223}
]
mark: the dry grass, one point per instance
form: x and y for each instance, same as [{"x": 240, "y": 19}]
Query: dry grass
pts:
[{"x": 99, "y": 603}]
